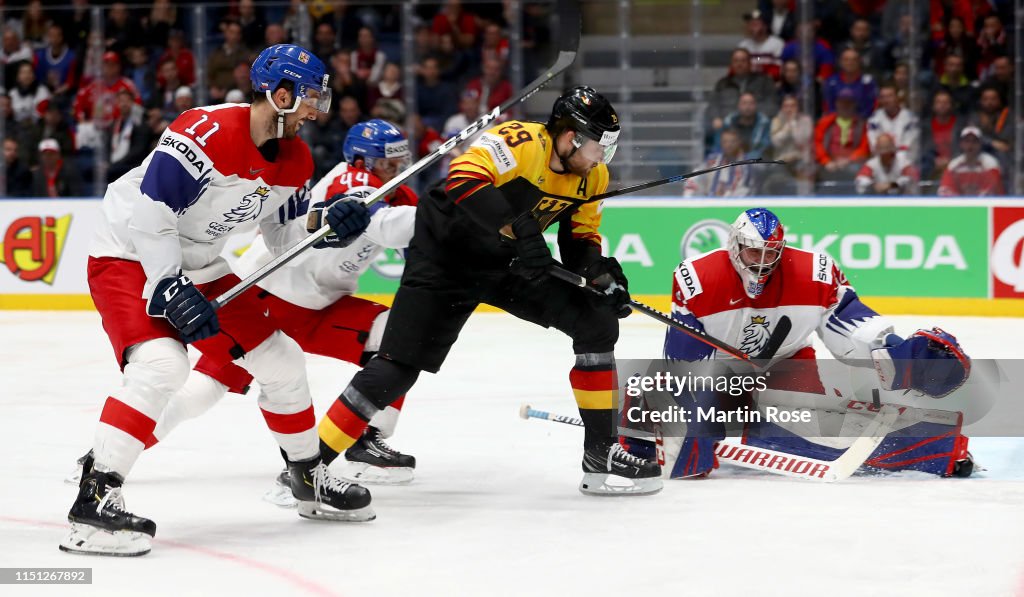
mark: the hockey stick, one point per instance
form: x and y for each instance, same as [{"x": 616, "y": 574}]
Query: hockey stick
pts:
[
  {"x": 781, "y": 463},
  {"x": 571, "y": 23},
  {"x": 774, "y": 341},
  {"x": 681, "y": 177}
]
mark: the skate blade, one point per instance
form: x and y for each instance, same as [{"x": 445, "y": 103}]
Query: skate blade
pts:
[
  {"x": 317, "y": 511},
  {"x": 603, "y": 484},
  {"x": 89, "y": 540},
  {"x": 367, "y": 474},
  {"x": 281, "y": 497}
]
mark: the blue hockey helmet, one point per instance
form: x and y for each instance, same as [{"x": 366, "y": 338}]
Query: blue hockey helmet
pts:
[
  {"x": 288, "y": 62},
  {"x": 756, "y": 241},
  {"x": 375, "y": 139}
]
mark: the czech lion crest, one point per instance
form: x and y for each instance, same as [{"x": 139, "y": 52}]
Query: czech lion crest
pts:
[
  {"x": 755, "y": 335},
  {"x": 250, "y": 206}
]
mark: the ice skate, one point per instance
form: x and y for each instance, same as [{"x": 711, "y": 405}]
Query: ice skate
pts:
[
  {"x": 608, "y": 469},
  {"x": 371, "y": 460},
  {"x": 100, "y": 525},
  {"x": 322, "y": 496},
  {"x": 84, "y": 463},
  {"x": 281, "y": 494}
]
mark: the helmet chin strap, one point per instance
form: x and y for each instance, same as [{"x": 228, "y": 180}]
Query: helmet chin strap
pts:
[{"x": 281, "y": 113}]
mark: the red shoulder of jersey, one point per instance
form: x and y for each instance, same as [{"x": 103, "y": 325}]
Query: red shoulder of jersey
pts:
[
  {"x": 222, "y": 134},
  {"x": 709, "y": 284},
  {"x": 361, "y": 182}
]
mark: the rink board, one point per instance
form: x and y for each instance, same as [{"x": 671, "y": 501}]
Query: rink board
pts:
[{"x": 957, "y": 256}]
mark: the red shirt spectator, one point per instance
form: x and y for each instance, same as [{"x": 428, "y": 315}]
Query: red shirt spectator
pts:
[
  {"x": 368, "y": 61},
  {"x": 97, "y": 99},
  {"x": 842, "y": 135},
  {"x": 495, "y": 45},
  {"x": 492, "y": 85},
  {"x": 453, "y": 21},
  {"x": 181, "y": 56},
  {"x": 973, "y": 174}
]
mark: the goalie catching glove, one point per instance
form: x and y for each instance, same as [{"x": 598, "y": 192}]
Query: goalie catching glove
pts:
[
  {"x": 347, "y": 217},
  {"x": 606, "y": 275},
  {"x": 929, "y": 361}
]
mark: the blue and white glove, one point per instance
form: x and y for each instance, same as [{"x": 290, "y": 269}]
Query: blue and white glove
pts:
[
  {"x": 930, "y": 361},
  {"x": 347, "y": 217},
  {"x": 185, "y": 308}
]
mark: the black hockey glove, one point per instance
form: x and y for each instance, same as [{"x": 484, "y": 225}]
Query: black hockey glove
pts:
[
  {"x": 533, "y": 255},
  {"x": 347, "y": 217},
  {"x": 606, "y": 275},
  {"x": 191, "y": 313}
]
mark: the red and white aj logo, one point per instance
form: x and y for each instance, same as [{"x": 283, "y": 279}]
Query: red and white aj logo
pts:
[
  {"x": 1006, "y": 260},
  {"x": 32, "y": 247}
]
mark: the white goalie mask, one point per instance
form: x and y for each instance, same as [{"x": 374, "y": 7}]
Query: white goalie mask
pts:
[{"x": 755, "y": 248}]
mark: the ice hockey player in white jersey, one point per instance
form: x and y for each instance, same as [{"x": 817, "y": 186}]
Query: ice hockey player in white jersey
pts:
[
  {"x": 154, "y": 265},
  {"x": 311, "y": 300},
  {"x": 737, "y": 294}
]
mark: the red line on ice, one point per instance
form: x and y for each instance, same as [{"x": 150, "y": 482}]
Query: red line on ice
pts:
[{"x": 266, "y": 567}]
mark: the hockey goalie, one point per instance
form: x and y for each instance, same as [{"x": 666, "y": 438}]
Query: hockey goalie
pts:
[{"x": 738, "y": 294}]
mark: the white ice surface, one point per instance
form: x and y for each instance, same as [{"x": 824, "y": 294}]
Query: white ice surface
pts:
[{"x": 495, "y": 508}]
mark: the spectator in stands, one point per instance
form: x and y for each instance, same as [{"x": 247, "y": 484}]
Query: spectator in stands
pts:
[
  {"x": 389, "y": 86},
  {"x": 122, "y": 30},
  {"x": 851, "y": 77},
  {"x": 346, "y": 20},
  {"x": 889, "y": 172},
  {"x": 274, "y": 34},
  {"x": 740, "y": 79},
  {"x": 941, "y": 12},
  {"x": 841, "y": 140},
  {"x": 955, "y": 81},
  {"x": 368, "y": 61},
  {"x": 453, "y": 64},
  {"x": 392, "y": 110},
  {"x": 492, "y": 86},
  {"x": 996, "y": 123},
  {"x": 453, "y": 20},
  {"x": 872, "y": 54},
  {"x": 730, "y": 182},
  {"x": 955, "y": 42},
  {"x": 168, "y": 81},
  {"x": 7, "y": 112},
  {"x": 54, "y": 178},
  {"x": 435, "y": 99},
  {"x": 898, "y": 49},
  {"x": 901, "y": 82},
  {"x": 753, "y": 127},
  {"x": 253, "y": 24},
  {"x": 494, "y": 45},
  {"x": 325, "y": 42},
  {"x": 16, "y": 170},
  {"x": 183, "y": 100},
  {"x": 237, "y": 96},
  {"x": 992, "y": 44},
  {"x": 349, "y": 112},
  {"x": 326, "y": 138},
  {"x": 344, "y": 82},
  {"x": 765, "y": 49},
  {"x": 56, "y": 63},
  {"x": 95, "y": 105},
  {"x": 1001, "y": 76},
  {"x": 34, "y": 22},
  {"x": 973, "y": 173},
  {"x": 54, "y": 125},
  {"x": 791, "y": 135},
  {"x": 795, "y": 83},
  {"x": 938, "y": 136},
  {"x": 159, "y": 23},
  {"x": 222, "y": 61},
  {"x": 893, "y": 119},
  {"x": 27, "y": 94},
  {"x": 141, "y": 73},
  {"x": 824, "y": 60},
  {"x": 14, "y": 52},
  {"x": 182, "y": 57},
  {"x": 130, "y": 138},
  {"x": 469, "y": 110},
  {"x": 780, "y": 17}
]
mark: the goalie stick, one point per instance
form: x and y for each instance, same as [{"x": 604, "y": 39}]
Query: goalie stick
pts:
[
  {"x": 570, "y": 25},
  {"x": 781, "y": 463},
  {"x": 759, "y": 360}
]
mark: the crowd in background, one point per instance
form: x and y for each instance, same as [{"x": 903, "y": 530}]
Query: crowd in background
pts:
[
  {"x": 71, "y": 97},
  {"x": 873, "y": 117}
]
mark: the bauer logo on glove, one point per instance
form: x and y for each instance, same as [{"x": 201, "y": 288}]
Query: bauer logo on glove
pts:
[
  {"x": 930, "y": 361},
  {"x": 347, "y": 216}
]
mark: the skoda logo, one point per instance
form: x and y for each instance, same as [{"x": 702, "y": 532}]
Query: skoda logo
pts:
[{"x": 704, "y": 236}]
